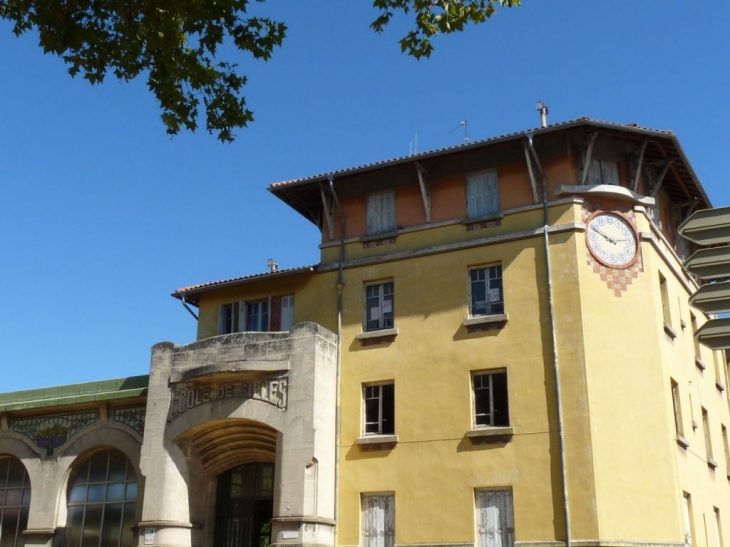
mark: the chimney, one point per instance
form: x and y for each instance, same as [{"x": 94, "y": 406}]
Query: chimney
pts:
[{"x": 543, "y": 109}]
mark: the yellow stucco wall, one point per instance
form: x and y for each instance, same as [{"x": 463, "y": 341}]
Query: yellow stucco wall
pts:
[{"x": 626, "y": 472}]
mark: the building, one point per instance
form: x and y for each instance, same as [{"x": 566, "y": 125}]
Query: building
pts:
[{"x": 495, "y": 349}]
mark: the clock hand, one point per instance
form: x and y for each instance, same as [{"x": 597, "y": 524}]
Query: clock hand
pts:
[{"x": 607, "y": 238}]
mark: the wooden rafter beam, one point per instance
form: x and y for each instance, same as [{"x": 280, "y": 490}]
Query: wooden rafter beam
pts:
[
  {"x": 533, "y": 182},
  {"x": 637, "y": 173},
  {"x": 587, "y": 159},
  {"x": 328, "y": 210},
  {"x": 425, "y": 184},
  {"x": 675, "y": 172}
]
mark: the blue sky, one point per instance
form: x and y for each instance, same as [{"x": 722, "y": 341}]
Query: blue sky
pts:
[{"x": 103, "y": 215}]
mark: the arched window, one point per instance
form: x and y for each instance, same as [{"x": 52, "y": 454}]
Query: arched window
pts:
[
  {"x": 14, "y": 501},
  {"x": 245, "y": 506},
  {"x": 102, "y": 501}
]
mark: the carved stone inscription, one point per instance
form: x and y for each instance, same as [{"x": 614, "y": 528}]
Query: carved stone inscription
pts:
[{"x": 273, "y": 392}]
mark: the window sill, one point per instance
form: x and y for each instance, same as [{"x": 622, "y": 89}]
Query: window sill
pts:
[
  {"x": 490, "y": 435},
  {"x": 377, "y": 442},
  {"x": 700, "y": 363},
  {"x": 711, "y": 463},
  {"x": 485, "y": 322},
  {"x": 485, "y": 319},
  {"x": 670, "y": 331},
  {"x": 377, "y": 334},
  {"x": 719, "y": 385},
  {"x": 483, "y": 218},
  {"x": 681, "y": 441},
  {"x": 375, "y": 237}
]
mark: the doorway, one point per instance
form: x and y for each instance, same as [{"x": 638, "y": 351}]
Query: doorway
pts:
[{"x": 244, "y": 506}]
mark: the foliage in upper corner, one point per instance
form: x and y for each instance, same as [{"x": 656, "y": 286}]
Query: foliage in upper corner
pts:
[
  {"x": 434, "y": 17},
  {"x": 173, "y": 42}
]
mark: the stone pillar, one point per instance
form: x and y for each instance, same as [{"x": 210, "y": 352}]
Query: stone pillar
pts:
[{"x": 165, "y": 512}]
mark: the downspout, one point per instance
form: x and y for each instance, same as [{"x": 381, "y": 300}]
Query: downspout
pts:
[
  {"x": 556, "y": 368},
  {"x": 184, "y": 303},
  {"x": 340, "y": 286}
]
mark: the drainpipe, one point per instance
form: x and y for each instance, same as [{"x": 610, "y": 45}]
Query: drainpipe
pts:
[
  {"x": 556, "y": 368},
  {"x": 340, "y": 286}
]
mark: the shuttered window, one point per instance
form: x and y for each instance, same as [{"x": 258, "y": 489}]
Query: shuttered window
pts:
[
  {"x": 482, "y": 194},
  {"x": 378, "y": 520},
  {"x": 486, "y": 290},
  {"x": 244, "y": 317},
  {"x": 495, "y": 518},
  {"x": 603, "y": 172},
  {"x": 381, "y": 213}
]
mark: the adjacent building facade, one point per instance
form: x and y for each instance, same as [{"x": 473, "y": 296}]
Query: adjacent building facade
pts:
[{"x": 495, "y": 349}]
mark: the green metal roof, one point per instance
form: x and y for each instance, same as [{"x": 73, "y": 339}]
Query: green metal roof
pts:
[{"x": 89, "y": 392}]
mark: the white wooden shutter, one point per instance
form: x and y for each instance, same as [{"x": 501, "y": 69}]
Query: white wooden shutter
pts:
[
  {"x": 378, "y": 520},
  {"x": 381, "y": 213},
  {"x": 241, "y": 316},
  {"x": 482, "y": 194},
  {"x": 495, "y": 518},
  {"x": 287, "y": 312},
  {"x": 687, "y": 520}
]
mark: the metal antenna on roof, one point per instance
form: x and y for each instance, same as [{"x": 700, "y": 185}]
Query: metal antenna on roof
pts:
[
  {"x": 463, "y": 123},
  {"x": 273, "y": 266},
  {"x": 414, "y": 145}
]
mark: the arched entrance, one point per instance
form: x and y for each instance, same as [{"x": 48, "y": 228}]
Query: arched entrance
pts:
[{"x": 244, "y": 506}]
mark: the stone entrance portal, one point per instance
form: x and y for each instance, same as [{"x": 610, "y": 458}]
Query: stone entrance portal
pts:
[{"x": 240, "y": 441}]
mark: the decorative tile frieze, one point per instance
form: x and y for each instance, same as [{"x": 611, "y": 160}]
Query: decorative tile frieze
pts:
[
  {"x": 50, "y": 432},
  {"x": 132, "y": 416}
]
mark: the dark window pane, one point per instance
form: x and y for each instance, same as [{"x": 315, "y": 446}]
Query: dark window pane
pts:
[
  {"x": 4, "y": 463},
  {"x": 98, "y": 467},
  {"x": 128, "y": 522},
  {"x": 388, "y": 426},
  {"x": 2, "y": 499},
  {"x": 112, "y": 529},
  {"x": 77, "y": 494},
  {"x": 26, "y": 496},
  {"x": 83, "y": 474},
  {"x": 265, "y": 485},
  {"x": 96, "y": 492},
  {"x": 131, "y": 491},
  {"x": 16, "y": 473},
  {"x": 74, "y": 522},
  {"x": 10, "y": 526},
  {"x": 92, "y": 525},
  {"x": 117, "y": 466},
  {"x": 501, "y": 407},
  {"x": 115, "y": 491},
  {"x": 14, "y": 496}
]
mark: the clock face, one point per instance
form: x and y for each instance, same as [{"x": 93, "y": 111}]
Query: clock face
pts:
[{"x": 611, "y": 240}]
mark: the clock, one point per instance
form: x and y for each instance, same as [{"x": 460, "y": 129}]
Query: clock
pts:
[{"x": 611, "y": 239}]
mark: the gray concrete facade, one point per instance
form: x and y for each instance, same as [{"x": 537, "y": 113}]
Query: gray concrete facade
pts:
[{"x": 241, "y": 398}]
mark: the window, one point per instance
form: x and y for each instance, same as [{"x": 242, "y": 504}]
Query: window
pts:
[
  {"x": 378, "y": 520},
  {"x": 379, "y": 306},
  {"x": 603, "y": 172},
  {"x": 688, "y": 525},
  {"x": 379, "y": 409},
  {"x": 491, "y": 408},
  {"x": 482, "y": 194},
  {"x": 495, "y": 518},
  {"x": 257, "y": 316},
  {"x": 486, "y": 290},
  {"x": 244, "y": 317},
  {"x": 102, "y": 502},
  {"x": 718, "y": 527},
  {"x": 727, "y": 450},
  {"x": 666, "y": 311},
  {"x": 708, "y": 441},
  {"x": 381, "y": 213},
  {"x": 679, "y": 428},
  {"x": 698, "y": 354},
  {"x": 14, "y": 501}
]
